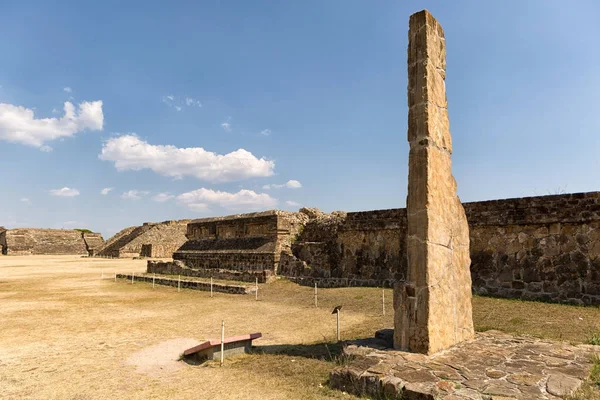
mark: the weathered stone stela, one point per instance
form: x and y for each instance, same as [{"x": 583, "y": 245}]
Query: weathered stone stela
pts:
[{"x": 433, "y": 307}]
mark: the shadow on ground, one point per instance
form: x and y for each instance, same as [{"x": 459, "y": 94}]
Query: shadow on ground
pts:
[{"x": 326, "y": 351}]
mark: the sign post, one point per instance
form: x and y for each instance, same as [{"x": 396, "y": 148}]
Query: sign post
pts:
[
  {"x": 336, "y": 311},
  {"x": 222, "y": 341}
]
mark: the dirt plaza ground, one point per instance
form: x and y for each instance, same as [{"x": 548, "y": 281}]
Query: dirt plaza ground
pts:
[{"x": 65, "y": 333}]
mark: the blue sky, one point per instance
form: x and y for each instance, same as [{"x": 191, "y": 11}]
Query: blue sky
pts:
[{"x": 191, "y": 109}]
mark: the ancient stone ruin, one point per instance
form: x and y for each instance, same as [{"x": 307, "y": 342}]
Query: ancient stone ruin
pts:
[
  {"x": 535, "y": 248},
  {"x": 244, "y": 247},
  {"x": 93, "y": 242},
  {"x": 157, "y": 240},
  {"x": 433, "y": 307},
  {"x": 29, "y": 241},
  {"x": 3, "y": 247}
]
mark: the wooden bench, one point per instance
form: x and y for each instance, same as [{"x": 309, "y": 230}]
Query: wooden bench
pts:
[{"x": 211, "y": 349}]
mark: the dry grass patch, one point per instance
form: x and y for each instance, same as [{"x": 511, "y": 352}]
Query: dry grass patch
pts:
[{"x": 573, "y": 324}]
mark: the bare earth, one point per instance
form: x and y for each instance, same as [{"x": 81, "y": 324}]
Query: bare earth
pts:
[{"x": 67, "y": 334}]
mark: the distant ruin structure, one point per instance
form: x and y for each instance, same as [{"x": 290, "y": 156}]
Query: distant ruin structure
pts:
[
  {"x": 30, "y": 241},
  {"x": 543, "y": 248},
  {"x": 93, "y": 242},
  {"x": 156, "y": 240},
  {"x": 3, "y": 247},
  {"x": 243, "y": 247}
]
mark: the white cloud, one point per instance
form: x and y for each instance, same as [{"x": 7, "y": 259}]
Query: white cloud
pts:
[
  {"x": 162, "y": 197},
  {"x": 134, "y": 194},
  {"x": 64, "y": 192},
  {"x": 198, "y": 207},
  {"x": 19, "y": 125},
  {"x": 129, "y": 152},
  {"x": 201, "y": 199},
  {"x": 169, "y": 100},
  {"x": 25, "y": 200},
  {"x": 226, "y": 126},
  {"x": 291, "y": 184},
  {"x": 178, "y": 104},
  {"x": 293, "y": 203},
  {"x": 189, "y": 101},
  {"x": 106, "y": 191},
  {"x": 265, "y": 132},
  {"x": 46, "y": 149},
  {"x": 68, "y": 89}
]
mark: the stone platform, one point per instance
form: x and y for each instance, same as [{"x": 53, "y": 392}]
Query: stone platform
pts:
[
  {"x": 190, "y": 284},
  {"x": 494, "y": 365}
]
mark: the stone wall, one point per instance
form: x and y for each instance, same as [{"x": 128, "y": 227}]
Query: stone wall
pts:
[
  {"x": 241, "y": 226},
  {"x": 243, "y": 242},
  {"x": 371, "y": 247},
  {"x": 178, "y": 267},
  {"x": 27, "y": 241},
  {"x": 235, "y": 260},
  {"x": 189, "y": 284},
  {"x": 540, "y": 248},
  {"x": 543, "y": 248},
  {"x": 360, "y": 247}
]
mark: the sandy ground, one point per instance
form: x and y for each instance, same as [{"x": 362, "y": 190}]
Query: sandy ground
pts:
[{"x": 67, "y": 334}]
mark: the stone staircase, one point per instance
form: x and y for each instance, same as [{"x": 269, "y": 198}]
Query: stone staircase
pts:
[{"x": 113, "y": 246}]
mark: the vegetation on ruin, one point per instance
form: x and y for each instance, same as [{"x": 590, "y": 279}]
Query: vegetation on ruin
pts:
[
  {"x": 595, "y": 373},
  {"x": 595, "y": 338},
  {"x": 296, "y": 237},
  {"x": 590, "y": 390},
  {"x": 83, "y": 230}
]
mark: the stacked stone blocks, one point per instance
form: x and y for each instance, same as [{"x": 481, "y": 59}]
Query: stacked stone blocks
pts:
[{"x": 433, "y": 306}]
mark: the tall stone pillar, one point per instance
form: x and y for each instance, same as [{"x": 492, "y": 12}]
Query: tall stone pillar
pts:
[{"x": 433, "y": 307}]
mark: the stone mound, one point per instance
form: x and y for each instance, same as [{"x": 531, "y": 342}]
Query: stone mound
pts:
[
  {"x": 30, "y": 241},
  {"x": 148, "y": 240}
]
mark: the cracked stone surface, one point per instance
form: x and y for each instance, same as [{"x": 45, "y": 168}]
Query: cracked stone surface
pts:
[
  {"x": 433, "y": 307},
  {"x": 494, "y": 365}
]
